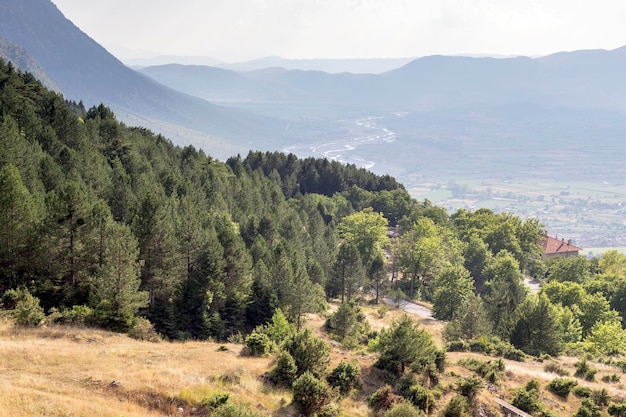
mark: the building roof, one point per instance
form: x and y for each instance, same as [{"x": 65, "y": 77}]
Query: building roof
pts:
[{"x": 553, "y": 245}]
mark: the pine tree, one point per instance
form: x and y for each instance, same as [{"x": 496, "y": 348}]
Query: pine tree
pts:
[
  {"x": 116, "y": 284},
  {"x": 17, "y": 225}
]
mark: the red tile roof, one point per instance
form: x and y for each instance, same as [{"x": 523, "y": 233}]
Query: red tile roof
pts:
[{"x": 552, "y": 245}]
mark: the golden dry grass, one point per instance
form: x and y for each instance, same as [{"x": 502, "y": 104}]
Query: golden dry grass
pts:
[
  {"x": 70, "y": 372},
  {"x": 61, "y": 371}
]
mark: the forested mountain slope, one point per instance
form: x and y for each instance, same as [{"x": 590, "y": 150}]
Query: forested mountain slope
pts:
[{"x": 220, "y": 245}]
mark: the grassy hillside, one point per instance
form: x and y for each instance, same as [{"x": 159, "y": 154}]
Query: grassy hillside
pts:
[{"x": 62, "y": 371}]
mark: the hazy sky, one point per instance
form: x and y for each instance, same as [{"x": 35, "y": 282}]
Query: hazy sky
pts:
[{"x": 235, "y": 30}]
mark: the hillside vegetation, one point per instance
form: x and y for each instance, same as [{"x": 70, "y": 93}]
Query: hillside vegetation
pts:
[{"x": 108, "y": 226}]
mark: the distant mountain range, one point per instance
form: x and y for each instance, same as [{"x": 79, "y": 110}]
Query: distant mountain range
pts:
[
  {"x": 593, "y": 79},
  {"x": 83, "y": 70},
  {"x": 332, "y": 66}
]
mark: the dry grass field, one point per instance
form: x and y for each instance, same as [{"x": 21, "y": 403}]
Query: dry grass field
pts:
[{"x": 63, "y": 371}]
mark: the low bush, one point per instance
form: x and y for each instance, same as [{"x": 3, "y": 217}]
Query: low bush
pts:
[
  {"x": 457, "y": 407},
  {"x": 582, "y": 392},
  {"x": 469, "y": 387},
  {"x": 310, "y": 394},
  {"x": 421, "y": 397},
  {"x": 528, "y": 398},
  {"x": 26, "y": 309},
  {"x": 457, "y": 346},
  {"x": 233, "y": 410},
  {"x": 215, "y": 400},
  {"x": 588, "y": 409},
  {"x": 383, "y": 398},
  {"x": 555, "y": 368},
  {"x": 562, "y": 386},
  {"x": 285, "y": 370},
  {"x": 142, "y": 329},
  {"x": 584, "y": 370},
  {"x": 601, "y": 397},
  {"x": 345, "y": 377},
  {"x": 403, "y": 409},
  {"x": 258, "y": 344},
  {"x": 611, "y": 378}
]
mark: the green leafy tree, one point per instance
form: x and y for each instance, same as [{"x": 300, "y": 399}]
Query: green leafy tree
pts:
[
  {"x": 343, "y": 322},
  {"x": 568, "y": 269},
  {"x": 367, "y": 230},
  {"x": 471, "y": 321},
  {"x": 537, "y": 329},
  {"x": 421, "y": 253},
  {"x": 606, "y": 338},
  {"x": 453, "y": 287},
  {"x": 477, "y": 256},
  {"x": 65, "y": 239},
  {"x": 159, "y": 253}
]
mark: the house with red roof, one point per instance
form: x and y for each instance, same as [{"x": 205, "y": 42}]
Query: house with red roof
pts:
[{"x": 553, "y": 246}]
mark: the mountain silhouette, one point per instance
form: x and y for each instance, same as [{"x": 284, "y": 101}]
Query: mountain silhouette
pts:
[{"x": 84, "y": 70}]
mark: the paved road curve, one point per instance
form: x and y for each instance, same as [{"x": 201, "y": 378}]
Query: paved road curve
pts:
[{"x": 412, "y": 308}]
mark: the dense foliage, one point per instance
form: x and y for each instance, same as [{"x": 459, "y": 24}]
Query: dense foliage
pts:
[{"x": 117, "y": 219}]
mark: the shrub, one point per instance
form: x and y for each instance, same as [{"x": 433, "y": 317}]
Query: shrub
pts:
[
  {"x": 79, "y": 315},
  {"x": 233, "y": 410},
  {"x": 617, "y": 409},
  {"x": 142, "y": 329},
  {"x": 469, "y": 387},
  {"x": 403, "y": 409},
  {"x": 215, "y": 400},
  {"x": 514, "y": 354},
  {"x": 456, "y": 407},
  {"x": 311, "y": 394},
  {"x": 588, "y": 409},
  {"x": 382, "y": 310},
  {"x": 562, "y": 386},
  {"x": 235, "y": 338},
  {"x": 309, "y": 353},
  {"x": 345, "y": 377},
  {"x": 584, "y": 370},
  {"x": 258, "y": 344},
  {"x": 555, "y": 368},
  {"x": 601, "y": 397},
  {"x": 457, "y": 346},
  {"x": 27, "y": 311},
  {"x": 421, "y": 397},
  {"x": 611, "y": 378},
  {"x": 527, "y": 398},
  {"x": 582, "y": 392},
  {"x": 383, "y": 398},
  {"x": 284, "y": 371}
]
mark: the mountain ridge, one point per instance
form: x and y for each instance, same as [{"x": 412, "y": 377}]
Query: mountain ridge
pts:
[{"x": 84, "y": 70}]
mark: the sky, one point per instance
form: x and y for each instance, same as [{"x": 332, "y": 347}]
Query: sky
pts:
[{"x": 240, "y": 30}]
